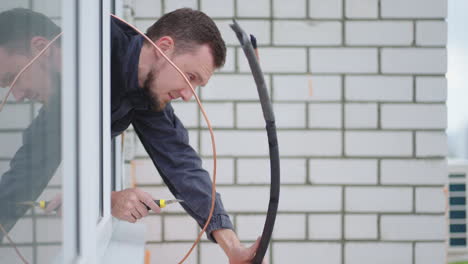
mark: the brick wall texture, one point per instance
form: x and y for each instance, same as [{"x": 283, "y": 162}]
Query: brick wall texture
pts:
[{"x": 359, "y": 91}]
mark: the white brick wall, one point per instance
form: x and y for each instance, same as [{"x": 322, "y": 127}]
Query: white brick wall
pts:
[
  {"x": 343, "y": 60},
  {"x": 309, "y": 252},
  {"x": 362, "y": 8},
  {"x": 342, "y": 171},
  {"x": 290, "y": 226},
  {"x": 371, "y": 144},
  {"x": 379, "y": 33},
  {"x": 414, "y": 60},
  {"x": 413, "y": 227},
  {"x": 378, "y": 88},
  {"x": 431, "y": 33},
  {"x": 382, "y": 253},
  {"x": 277, "y": 60},
  {"x": 426, "y": 253},
  {"x": 360, "y": 226},
  {"x": 148, "y": 8},
  {"x": 408, "y": 172},
  {"x": 186, "y": 228},
  {"x": 379, "y": 199},
  {"x": 262, "y": 8},
  {"x": 414, "y": 8},
  {"x": 290, "y": 9},
  {"x": 325, "y": 8},
  {"x": 173, "y": 5},
  {"x": 431, "y": 144},
  {"x": 250, "y": 171},
  {"x": 324, "y": 226},
  {"x": 325, "y": 115},
  {"x": 303, "y": 33},
  {"x": 431, "y": 89},
  {"x": 361, "y": 115},
  {"x": 297, "y": 88},
  {"x": 359, "y": 93},
  {"x": 414, "y": 116},
  {"x": 215, "y": 8},
  {"x": 430, "y": 200}
]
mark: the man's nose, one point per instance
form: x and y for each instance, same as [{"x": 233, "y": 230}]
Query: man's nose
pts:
[{"x": 186, "y": 94}]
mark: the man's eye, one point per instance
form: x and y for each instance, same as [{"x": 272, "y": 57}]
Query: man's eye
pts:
[{"x": 191, "y": 77}]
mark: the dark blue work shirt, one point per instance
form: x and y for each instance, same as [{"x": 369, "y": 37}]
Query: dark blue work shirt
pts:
[{"x": 161, "y": 133}]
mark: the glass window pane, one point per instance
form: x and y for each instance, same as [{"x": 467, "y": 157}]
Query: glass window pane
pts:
[{"x": 30, "y": 131}]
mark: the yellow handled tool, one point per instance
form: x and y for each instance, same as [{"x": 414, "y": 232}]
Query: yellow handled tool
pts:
[
  {"x": 40, "y": 204},
  {"x": 162, "y": 203}
]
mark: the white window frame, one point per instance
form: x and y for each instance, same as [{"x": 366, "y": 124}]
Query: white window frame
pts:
[{"x": 86, "y": 234}]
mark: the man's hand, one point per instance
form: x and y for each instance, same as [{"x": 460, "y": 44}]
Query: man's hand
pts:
[
  {"x": 235, "y": 251},
  {"x": 55, "y": 205},
  {"x": 129, "y": 204}
]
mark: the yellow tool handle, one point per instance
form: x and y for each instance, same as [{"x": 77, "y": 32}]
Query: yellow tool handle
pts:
[{"x": 43, "y": 204}]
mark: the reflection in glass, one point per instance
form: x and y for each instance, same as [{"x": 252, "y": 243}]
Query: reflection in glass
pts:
[{"x": 30, "y": 139}]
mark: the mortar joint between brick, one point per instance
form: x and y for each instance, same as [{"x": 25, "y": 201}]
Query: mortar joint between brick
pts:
[
  {"x": 343, "y": 115},
  {"x": 163, "y": 7},
  {"x": 379, "y": 60},
  {"x": 379, "y": 169},
  {"x": 379, "y": 9},
  {"x": 235, "y": 161},
  {"x": 343, "y": 226},
  {"x": 236, "y": 15},
  {"x": 379, "y": 116},
  {"x": 379, "y": 218}
]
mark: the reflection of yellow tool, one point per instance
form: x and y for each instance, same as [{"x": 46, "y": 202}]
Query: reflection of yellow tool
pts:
[
  {"x": 40, "y": 204},
  {"x": 162, "y": 203}
]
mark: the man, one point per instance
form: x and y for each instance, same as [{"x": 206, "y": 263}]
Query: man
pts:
[{"x": 142, "y": 85}]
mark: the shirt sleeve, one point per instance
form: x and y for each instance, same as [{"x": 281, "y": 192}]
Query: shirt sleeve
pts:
[
  {"x": 166, "y": 141},
  {"x": 32, "y": 166}
]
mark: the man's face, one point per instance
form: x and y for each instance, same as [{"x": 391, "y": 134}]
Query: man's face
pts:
[
  {"x": 34, "y": 83},
  {"x": 164, "y": 83}
]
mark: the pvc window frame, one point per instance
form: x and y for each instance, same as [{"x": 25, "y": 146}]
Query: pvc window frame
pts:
[{"x": 87, "y": 141}]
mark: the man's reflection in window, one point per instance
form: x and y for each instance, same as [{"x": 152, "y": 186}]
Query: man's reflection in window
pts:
[{"x": 23, "y": 34}]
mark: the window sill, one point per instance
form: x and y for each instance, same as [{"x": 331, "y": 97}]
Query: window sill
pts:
[{"x": 127, "y": 244}]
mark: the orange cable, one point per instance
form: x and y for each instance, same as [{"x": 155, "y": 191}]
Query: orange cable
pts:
[
  {"x": 213, "y": 191},
  {"x": 14, "y": 246},
  {"x": 147, "y": 256}
]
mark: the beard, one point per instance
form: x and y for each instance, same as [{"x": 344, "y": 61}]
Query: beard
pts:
[{"x": 155, "y": 103}]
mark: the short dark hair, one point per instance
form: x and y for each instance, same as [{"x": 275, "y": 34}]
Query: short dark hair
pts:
[
  {"x": 19, "y": 25},
  {"x": 187, "y": 27}
]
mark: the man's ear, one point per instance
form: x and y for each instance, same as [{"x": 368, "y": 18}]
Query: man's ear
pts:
[
  {"x": 37, "y": 44},
  {"x": 166, "y": 44}
]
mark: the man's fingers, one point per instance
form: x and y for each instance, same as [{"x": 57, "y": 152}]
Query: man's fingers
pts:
[
  {"x": 54, "y": 204},
  {"x": 136, "y": 214},
  {"x": 141, "y": 208},
  {"x": 253, "y": 248},
  {"x": 132, "y": 218},
  {"x": 152, "y": 205},
  {"x": 149, "y": 201},
  {"x": 255, "y": 245}
]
